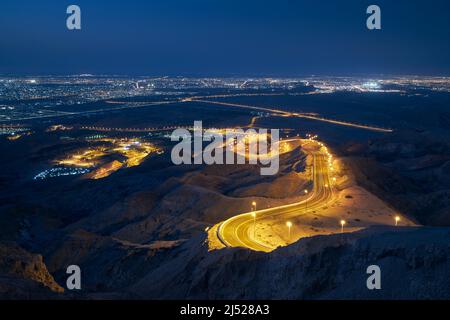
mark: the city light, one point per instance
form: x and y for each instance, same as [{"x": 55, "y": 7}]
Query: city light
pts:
[{"x": 60, "y": 172}]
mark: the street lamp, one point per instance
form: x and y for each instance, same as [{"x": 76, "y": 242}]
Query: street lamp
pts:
[
  {"x": 289, "y": 225},
  {"x": 342, "y": 225},
  {"x": 254, "y": 206},
  {"x": 306, "y": 201},
  {"x": 254, "y": 224},
  {"x": 397, "y": 219}
]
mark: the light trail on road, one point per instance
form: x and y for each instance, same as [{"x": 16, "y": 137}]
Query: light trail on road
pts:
[
  {"x": 237, "y": 231},
  {"x": 296, "y": 114}
]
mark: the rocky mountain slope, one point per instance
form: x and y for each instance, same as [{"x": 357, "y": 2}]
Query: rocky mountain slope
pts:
[
  {"x": 143, "y": 237},
  {"x": 409, "y": 170},
  {"x": 414, "y": 263},
  {"x": 24, "y": 275}
]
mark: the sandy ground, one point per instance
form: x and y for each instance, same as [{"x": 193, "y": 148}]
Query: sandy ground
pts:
[{"x": 355, "y": 205}]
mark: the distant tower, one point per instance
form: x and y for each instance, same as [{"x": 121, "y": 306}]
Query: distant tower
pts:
[{"x": 137, "y": 85}]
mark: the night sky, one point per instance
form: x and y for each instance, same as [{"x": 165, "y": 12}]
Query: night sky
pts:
[{"x": 225, "y": 38}]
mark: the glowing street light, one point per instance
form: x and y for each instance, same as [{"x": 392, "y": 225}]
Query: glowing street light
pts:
[
  {"x": 254, "y": 206},
  {"x": 254, "y": 224},
  {"x": 306, "y": 201},
  {"x": 343, "y": 222},
  {"x": 289, "y": 225},
  {"x": 397, "y": 219}
]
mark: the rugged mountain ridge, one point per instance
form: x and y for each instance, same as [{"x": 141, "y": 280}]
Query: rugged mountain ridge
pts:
[{"x": 414, "y": 264}]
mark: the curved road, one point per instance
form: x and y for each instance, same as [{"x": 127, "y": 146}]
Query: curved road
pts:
[{"x": 238, "y": 230}]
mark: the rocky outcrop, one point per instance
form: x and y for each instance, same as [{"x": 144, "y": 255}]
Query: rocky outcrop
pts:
[{"x": 23, "y": 274}]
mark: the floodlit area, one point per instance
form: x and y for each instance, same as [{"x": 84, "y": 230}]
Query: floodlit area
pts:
[
  {"x": 86, "y": 158},
  {"x": 108, "y": 156}
]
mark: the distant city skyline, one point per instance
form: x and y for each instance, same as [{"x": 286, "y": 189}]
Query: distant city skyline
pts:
[
  {"x": 223, "y": 76},
  {"x": 225, "y": 38}
]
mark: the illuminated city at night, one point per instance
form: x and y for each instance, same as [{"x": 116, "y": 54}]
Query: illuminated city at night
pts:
[{"x": 238, "y": 151}]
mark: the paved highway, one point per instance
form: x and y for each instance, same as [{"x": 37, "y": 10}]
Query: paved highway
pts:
[
  {"x": 238, "y": 230},
  {"x": 283, "y": 113}
]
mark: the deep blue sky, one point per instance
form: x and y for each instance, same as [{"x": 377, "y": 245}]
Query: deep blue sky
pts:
[{"x": 225, "y": 37}]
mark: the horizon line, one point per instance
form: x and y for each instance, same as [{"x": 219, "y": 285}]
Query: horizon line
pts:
[{"x": 236, "y": 76}]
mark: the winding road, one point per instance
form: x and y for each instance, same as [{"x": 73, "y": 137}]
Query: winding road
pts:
[{"x": 238, "y": 231}]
